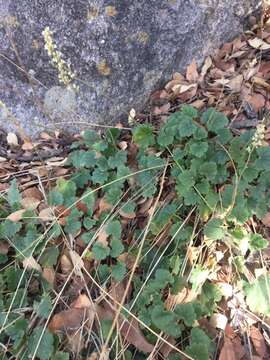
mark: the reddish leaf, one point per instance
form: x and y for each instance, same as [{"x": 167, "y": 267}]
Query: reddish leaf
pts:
[
  {"x": 129, "y": 330},
  {"x": 258, "y": 341},
  {"x": 227, "y": 351}
]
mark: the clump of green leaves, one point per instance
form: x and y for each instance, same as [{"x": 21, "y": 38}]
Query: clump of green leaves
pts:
[{"x": 221, "y": 179}]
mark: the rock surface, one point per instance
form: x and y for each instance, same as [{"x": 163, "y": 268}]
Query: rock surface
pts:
[{"x": 120, "y": 50}]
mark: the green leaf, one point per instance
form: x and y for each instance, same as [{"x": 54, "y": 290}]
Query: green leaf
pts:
[
  {"x": 263, "y": 162},
  {"x": 257, "y": 295},
  {"x": 99, "y": 177},
  {"x": 55, "y": 198},
  {"x": 187, "y": 179},
  {"x": 17, "y": 331},
  {"x": 198, "y": 149},
  {"x": 214, "y": 120},
  {"x": 257, "y": 242},
  {"x": 114, "y": 229},
  {"x": 214, "y": 229},
  {"x": 165, "y": 320},
  {"x": 116, "y": 248},
  {"x": 164, "y": 139},
  {"x": 88, "y": 223},
  {"x": 200, "y": 345},
  {"x": 60, "y": 355},
  {"x": 143, "y": 135},
  {"x": 119, "y": 271},
  {"x": 210, "y": 296},
  {"x": 44, "y": 307},
  {"x": 81, "y": 158},
  {"x": 186, "y": 313},
  {"x": 43, "y": 348},
  {"x": 100, "y": 252},
  {"x": 197, "y": 351},
  {"x": 190, "y": 111},
  {"x": 49, "y": 256},
  {"x": 209, "y": 170},
  {"x": 118, "y": 159},
  {"x": 14, "y": 196},
  {"x": 9, "y": 228},
  {"x": 186, "y": 127}
]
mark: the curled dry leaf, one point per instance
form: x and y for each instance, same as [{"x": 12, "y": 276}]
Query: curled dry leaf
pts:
[
  {"x": 12, "y": 139},
  {"x": 235, "y": 83},
  {"x": 258, "y": 43},
  {"x": 46, "y": 214},
  {"x": 131, "y": 215},
  {"x": 30, "y": 203},
  {"x": 65, "y": 264},
  {"x": 192, "y": 72},
  {"x": 258, "y": 342},
  {"x": 227, "y": 351},
  {"x": 206, "y": 66},
  {"x": 16, "y": 215},
  {"x": 77, "y": 262},
  {"x": 102, "y": 237},
  {"x": 30, "y": 263},
  {"x": 49, "y": 275},
  {"x": 102, "y": 206},
  {"x": 219, "y": 321}
]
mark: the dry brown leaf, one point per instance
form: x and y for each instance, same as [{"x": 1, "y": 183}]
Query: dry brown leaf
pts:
[
  {"x": 258, "y": 43},
  {"x": 258, "y": 342},
  {"x": 27, "y": 146},
  {"x": 29, "y": 203},
  {"x": 261, "y": 82},
  {"x": 123, "y": 145},
  {"x": 4, "y": 247},
  {"x": 49, "y": 275},
  {"x": 68, "y": 320},
  {"x": 12, "y": 139},
  {"x": 82, "y": 313},
  {"x": 102, "y": 237},
  {"x": 219, "y": 321},
  {"x": 206, "y": 66},
  {"x": 66, "y": 264},
  {"x": 198, "y": 104},
  {"x": 235, "y": 83},
  {"x": 32, "y": 192},
  {"x": 266, "y": 220},
  {"x": 82, "y": 301},
  {"x": 30, "y": 263},
  {"x": 131, "y": 215},
  {"x": 16, "y": 215},
  {"x": 257, "y": 101},
  {"x": 103, "y": 205},
  {"x": 46, "y": 214},
  {"x": 165, "y": 349},
  {"x": 129, "y": 330},
  {"x": 75, "y": 342},
  {"x": 178, "y": 76},
  {"x": 192, "y": 72},
  {"x": 227, "y": 351},
  {"x": 184, "y": 88}
]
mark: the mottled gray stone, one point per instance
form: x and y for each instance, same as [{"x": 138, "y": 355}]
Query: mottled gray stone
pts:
[{"x": 121, "y": 50}]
